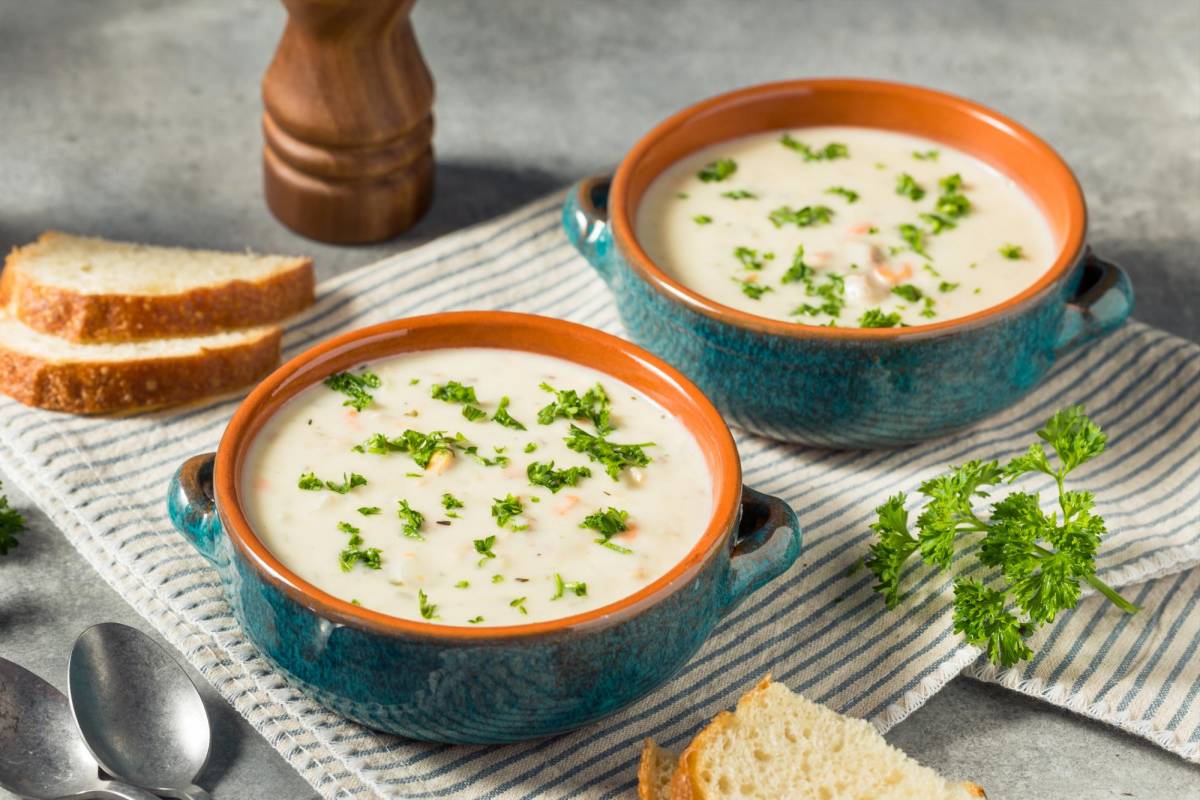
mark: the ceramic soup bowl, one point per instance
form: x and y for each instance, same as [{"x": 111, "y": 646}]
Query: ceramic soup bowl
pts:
[
  {"x": 852, "y": 387},
  {"x": 498, "y": 684}
]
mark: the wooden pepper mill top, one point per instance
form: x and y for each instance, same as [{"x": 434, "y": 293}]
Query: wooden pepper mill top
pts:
[{"x": 348, "y": 121}]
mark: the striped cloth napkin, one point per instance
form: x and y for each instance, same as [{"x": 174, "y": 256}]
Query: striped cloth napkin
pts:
[{"x": 819, "y": 629}]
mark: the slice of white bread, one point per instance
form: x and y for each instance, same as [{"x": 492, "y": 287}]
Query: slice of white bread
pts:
[
  {"x": 52, "y": 373},
  {"x": 655, "y": 771},
  {"x": 778, "y": 745},
  {"x": 94, "y": 290}
]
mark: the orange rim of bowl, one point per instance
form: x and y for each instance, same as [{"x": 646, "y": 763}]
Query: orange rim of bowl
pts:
[
  {"x": 308, "y": 368},
  {"x": 1070, "y": 249}
]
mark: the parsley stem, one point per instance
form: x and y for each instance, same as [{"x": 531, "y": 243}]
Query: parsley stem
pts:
[{"x": 1111, "y": 593}]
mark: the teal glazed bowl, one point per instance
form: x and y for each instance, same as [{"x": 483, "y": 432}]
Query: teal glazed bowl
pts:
[
  {"x": 852, "y": 387},
  {"x": 459, "y": 684}
]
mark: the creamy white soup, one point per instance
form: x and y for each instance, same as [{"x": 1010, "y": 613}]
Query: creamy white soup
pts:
[
  {"x": 476, "y": 487},
  {"x": 843, "y": 226}
]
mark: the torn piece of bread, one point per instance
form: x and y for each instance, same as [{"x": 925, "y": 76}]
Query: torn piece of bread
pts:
[
  {"x": 52, "y": 373},
  {"x": 655, "y": 771},
  {"x": 778, "y": 745},
  {"x": 94, "y": 290}
]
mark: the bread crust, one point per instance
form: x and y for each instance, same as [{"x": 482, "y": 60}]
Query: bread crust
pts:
[
  {"x": 100, "y": 318},
  {"x": 82, "y": 387},
  {"x": 648, "y": 770}
]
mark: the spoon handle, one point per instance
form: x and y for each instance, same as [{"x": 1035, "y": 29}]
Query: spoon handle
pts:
[{"x": 113, "y": 790}]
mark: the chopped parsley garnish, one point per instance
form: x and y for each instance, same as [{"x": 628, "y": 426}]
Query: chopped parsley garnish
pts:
[
  {"x": 519, "y": 605},
  {"x": 914, "y": 237},
  {"x": 801, "y": 217},
  {"x": 739, "y": 194},
  {"x": 608, "y": 523},
  {"x": 422, "y": 447},
  {"x": 614, "y": 457},
  {"x": 928, "y": 310},
  {"x": 454, "y": 392},
  {"x": 504, "y": 418},
  {"x": 475, "y": 620},
  {"x": 798, "y": 272},
  {"x": 484, "y": 548},
  {"x": 353, "y": 553},
  {"x": 1013, "y": 252},
  {"x": 702, "y": 219},
  {"x": 561, "y": 587},
  {"x": 717, "y": 170},
  {"x": 909, "y": 292},
  {"x": 1041, "y": 557},
  {"x": 544, "y": 474},
  {"x": 506, "y": 508},
  {"x": 428, "y": 610},
  {"x": 500, "y": 460},
  {"x": 463, "y": 585},
  {"x": 936, "y": 222},
  {"x": 829, "y": 152},
  {"x": 354, "y": 387},
  {"x": 450, "y": 502},
  {"x": 907, "y": 186},
  {"x": 947, "y": 286},
  {"x": 850, "y": 195},
  {"x": 952, "y": 203},
  {"x": 951, "y": 184},
  {"x": 369, "y": 511},
  {"x": 473, "y": 413},
  {"x": 411, "y": 520},
  {"x": 568, "y": 404},
  {"x": 875, "y": 318},
  {"x": 832, "y": 293},
  {"x": 928, "y": 155},
  {"x": 753, "y": 290},
  {"x": 750, "y": 258},
  {"x": 532, "y": 446},
  {"x": 11, "y": 524},
  {"x": 310, "y": 482},
  {"x": 497, "y": 579}
]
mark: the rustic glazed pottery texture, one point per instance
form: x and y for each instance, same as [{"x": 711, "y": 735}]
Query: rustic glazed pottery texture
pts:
[
  {"x": 853, "y": 387},
  {"x": 483, "y": 685}
]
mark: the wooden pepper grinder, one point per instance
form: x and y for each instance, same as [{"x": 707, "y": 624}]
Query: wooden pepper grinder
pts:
[{"x": 348, "y": 121}]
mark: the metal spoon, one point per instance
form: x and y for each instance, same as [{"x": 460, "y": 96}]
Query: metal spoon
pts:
[
  {"x": 138, "y": 711},
  {"x": 41, "y": 753}
]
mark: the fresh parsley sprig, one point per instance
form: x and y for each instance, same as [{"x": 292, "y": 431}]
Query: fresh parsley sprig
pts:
[
  {"x": 1042, "y": 558},
  {"x": 612, "y": 456}
]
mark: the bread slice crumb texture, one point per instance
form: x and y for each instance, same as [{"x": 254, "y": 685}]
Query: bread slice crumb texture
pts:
[
  {"x": 654, "y": 772},
  {"x": 779, "y": 745},
  {"x": 94, "y": 290},
  {"x": 51, "y": 373}
]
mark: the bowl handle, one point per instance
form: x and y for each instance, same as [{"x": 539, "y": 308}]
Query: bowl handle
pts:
[
  {"x": 1101, "y": 303},
  {"x": 585, "y": 219},
  {"x": 192, "y": 507},
  {"x": 767, "y": 544}
]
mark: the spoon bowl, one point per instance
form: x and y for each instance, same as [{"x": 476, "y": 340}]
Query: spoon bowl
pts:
[
  {"x": 41, "y": 753},
  {"x": 138, "y": 711}
]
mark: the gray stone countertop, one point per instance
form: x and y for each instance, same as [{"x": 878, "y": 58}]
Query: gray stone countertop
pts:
[{"x": 139, "y": 119}]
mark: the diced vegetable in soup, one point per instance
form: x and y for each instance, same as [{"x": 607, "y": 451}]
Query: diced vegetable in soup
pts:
[
  {"x": 849, "y": 227},
  {"x": 476, "y": 487}
]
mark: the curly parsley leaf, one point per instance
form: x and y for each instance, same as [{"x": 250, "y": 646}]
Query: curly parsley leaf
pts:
[
  {"x": 504, "y": 418},
  {"x": 1042, "y": 558},
  {"x": 507, "y": 508},
  {"x": 608, "y": 522}
]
